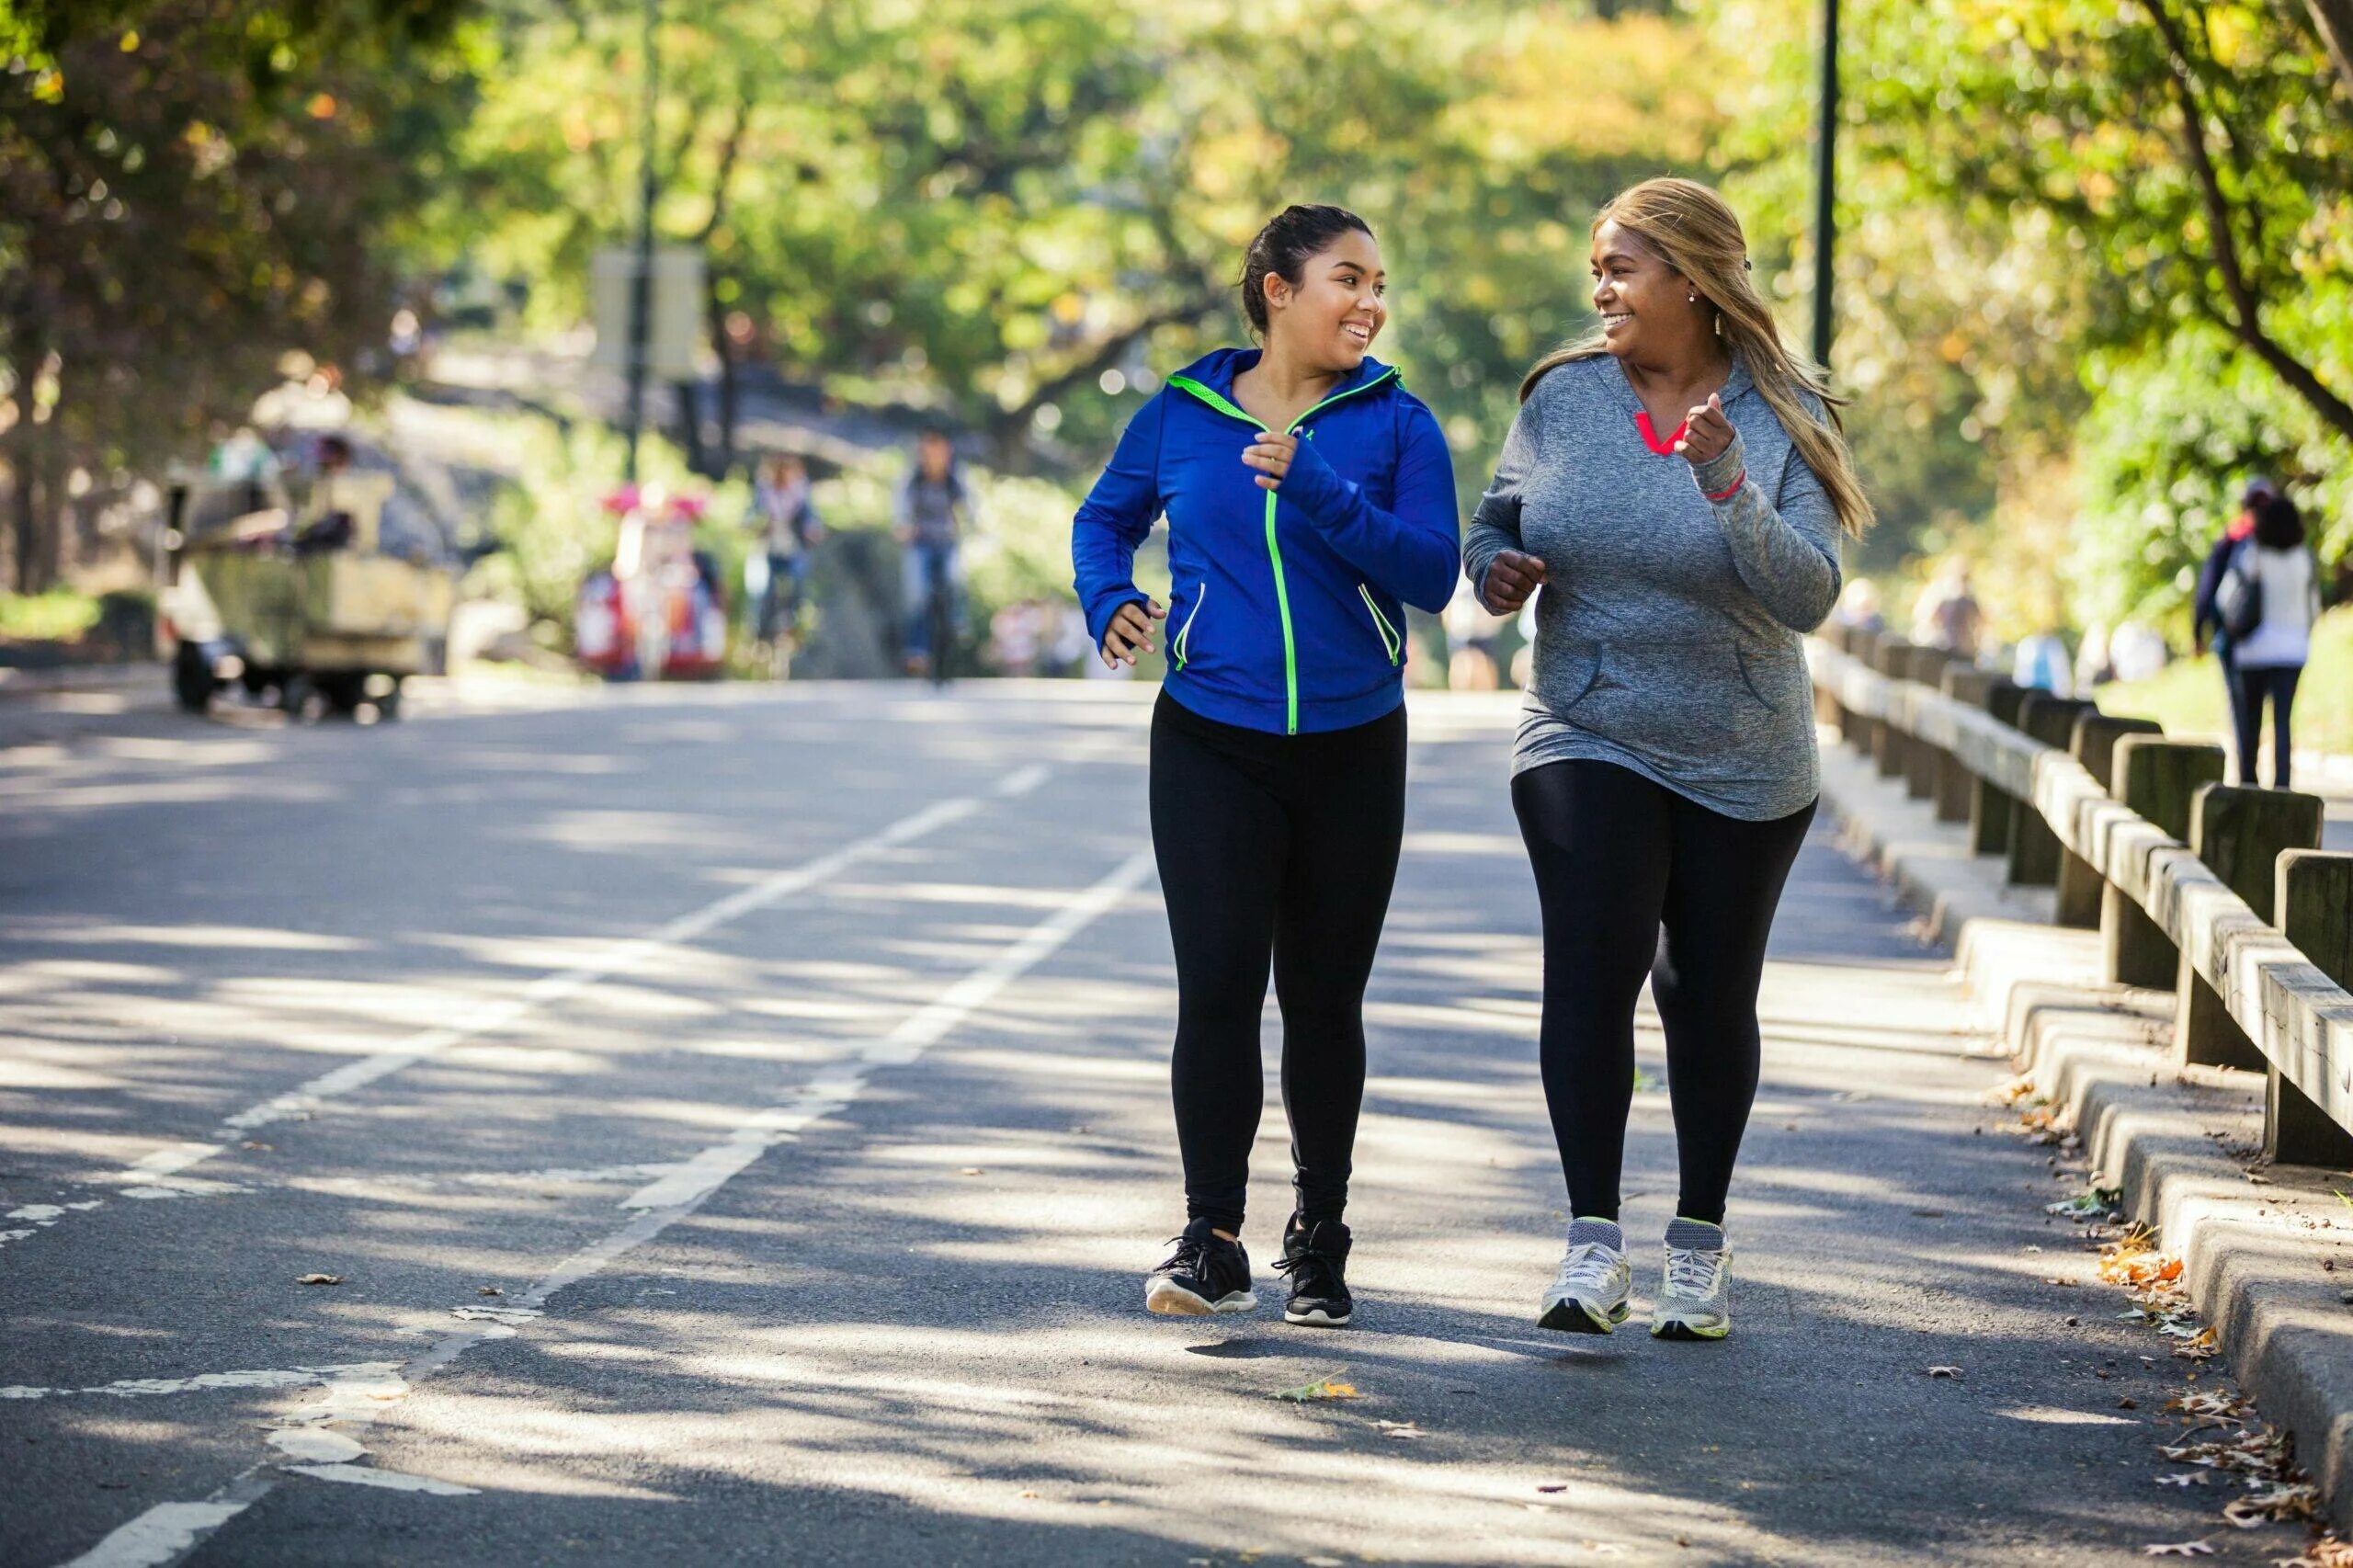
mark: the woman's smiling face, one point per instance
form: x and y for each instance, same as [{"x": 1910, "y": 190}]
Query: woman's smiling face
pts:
[
  {"x": 1338, "y": 306},
  {"x": 1637, "y": 294}
]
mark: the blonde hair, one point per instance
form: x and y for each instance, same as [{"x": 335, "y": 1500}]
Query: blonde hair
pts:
[{"x": 1695, "y": 232}]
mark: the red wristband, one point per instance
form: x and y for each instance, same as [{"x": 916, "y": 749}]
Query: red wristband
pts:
[{"x": 1731, "y": 490}]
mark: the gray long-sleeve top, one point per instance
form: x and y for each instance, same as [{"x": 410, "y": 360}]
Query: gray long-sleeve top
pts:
[{"x": 1669, "y": 630}]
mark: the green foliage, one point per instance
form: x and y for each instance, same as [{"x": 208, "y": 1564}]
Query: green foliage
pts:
[
  {"x": 2161, "y": 462},
  {"x": 61, "y": 615}
]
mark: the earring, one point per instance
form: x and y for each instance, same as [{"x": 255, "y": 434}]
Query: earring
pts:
[{"x": 1695, "y": 299}]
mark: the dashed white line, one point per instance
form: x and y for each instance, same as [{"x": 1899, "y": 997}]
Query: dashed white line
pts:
[
  {"x": 159, "y": 1173},
  {"x": 170, "y": 1530}
]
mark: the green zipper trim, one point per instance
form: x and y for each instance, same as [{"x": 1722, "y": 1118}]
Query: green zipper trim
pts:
[
  {"x": 1184, "y": 633},
  {"x": 1274, "y": 549},
  {"x": 1380, "y": 623}
]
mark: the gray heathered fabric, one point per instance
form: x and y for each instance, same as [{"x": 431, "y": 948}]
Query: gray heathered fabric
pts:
[{"x": 1669, "y": 630}]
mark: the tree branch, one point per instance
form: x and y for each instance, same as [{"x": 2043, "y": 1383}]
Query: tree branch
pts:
[
  {"x": 2246, "y": 319},
  {"x": 2333, "y": 19}
]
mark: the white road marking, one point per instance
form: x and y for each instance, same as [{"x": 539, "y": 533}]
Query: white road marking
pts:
[
  {"x": 391, "y": 1480},
  {"x": 260, "y": 1378},
  {"x": 160, "y": 1534},
  {"x": 152, "y": 1175},
  {"x": 144, "y": 1543}
]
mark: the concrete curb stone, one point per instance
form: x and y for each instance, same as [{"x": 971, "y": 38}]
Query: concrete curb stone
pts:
[{"x": 2267, "y": 1254}]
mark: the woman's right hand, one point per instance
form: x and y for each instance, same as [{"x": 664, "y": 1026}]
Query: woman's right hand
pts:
[
  {"x": 1130, "y": 632},
  {"x": 1511, "y": 578}
]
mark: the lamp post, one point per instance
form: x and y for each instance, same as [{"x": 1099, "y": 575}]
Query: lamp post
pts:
[
  {"x": 1825, "y": 167},
  {"x": 641, "y": 286}
]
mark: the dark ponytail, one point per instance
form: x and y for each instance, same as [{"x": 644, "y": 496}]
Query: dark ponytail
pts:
[
  {"x": 1293, "y": 238},
  {"x": 2278, "y": 524}
]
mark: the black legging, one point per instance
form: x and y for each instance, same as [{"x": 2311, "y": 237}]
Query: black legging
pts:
[
  {"x": 1619, "y": 859},
  {"x": 2276, "y": 683},
  {"x": 1281, "y": 847}
]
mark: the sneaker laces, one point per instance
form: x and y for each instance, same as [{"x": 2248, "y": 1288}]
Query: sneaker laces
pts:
[
  {"x": 1693, "y": 1271},
  {"x": 1588, "y": 1263},
  {"x": 1185, "y": 1259},
  {"x": 1317, "y": 1272}
]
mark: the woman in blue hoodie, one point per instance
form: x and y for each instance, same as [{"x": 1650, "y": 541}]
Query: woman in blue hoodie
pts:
[{"x": 1309, "y": 498}]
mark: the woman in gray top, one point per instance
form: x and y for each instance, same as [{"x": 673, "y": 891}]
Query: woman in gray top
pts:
[{"x": 1674, "y": 485}]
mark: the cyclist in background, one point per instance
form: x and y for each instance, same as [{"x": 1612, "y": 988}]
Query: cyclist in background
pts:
[
  {"x": 934, "y": 508},
  {"x": 786, "y": 516}
]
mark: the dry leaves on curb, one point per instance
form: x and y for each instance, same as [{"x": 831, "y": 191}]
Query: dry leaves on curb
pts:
[
  {"x": 2199, "y": 1347},
  {"x": 2326, "y": 1553},
  {"x": 320, "y": 1279},
  {"x": 2275, "y": 1504}
]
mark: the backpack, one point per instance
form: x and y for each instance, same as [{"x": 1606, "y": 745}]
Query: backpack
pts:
[{"x": 2238, "y": 598}]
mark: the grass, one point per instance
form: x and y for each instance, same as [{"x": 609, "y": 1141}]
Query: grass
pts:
[
  {"x": 2186, "y": 696},
  {"x": 61, "y": 615}
]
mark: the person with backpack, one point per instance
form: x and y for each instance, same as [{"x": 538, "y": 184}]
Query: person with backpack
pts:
[
  {"x": 2266, "y": 600},
  {"x": 2204, "y": 617},
  {"x": 1309, "y": 498},
  {"x": 1673, "y": 492}
]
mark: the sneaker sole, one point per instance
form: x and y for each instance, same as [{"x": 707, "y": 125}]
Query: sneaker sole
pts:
[
  {"x": 1676, "y": 1328},
  {"x": 1576, "y": 1317},
  {"x": 1171, "y": 1300},
  {"x": 1317, "y": 1317}
]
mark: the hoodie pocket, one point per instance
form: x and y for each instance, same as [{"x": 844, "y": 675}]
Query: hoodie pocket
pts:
[
  {"x": 1392, "y": 641},
  {"x": 1182, "y": 648}
]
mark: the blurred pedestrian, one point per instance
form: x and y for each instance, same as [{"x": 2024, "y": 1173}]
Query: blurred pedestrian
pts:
[
  {"x": 934, "y": 509},
  {"x": 784, "y": 510},
  {"x": 2204, "y": 617},
  {"x": 1309, "y": 498},
  {"x": 1947, "y": 615},
  {"x": 2271, "y": 637},
  {"x": 2042, "y": 664},
  {"x": 1686, "y": 474}
]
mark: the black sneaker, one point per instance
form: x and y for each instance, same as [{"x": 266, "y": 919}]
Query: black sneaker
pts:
[
  {"x": 1206, "y": 1274},
  {"x": 1315, "y": 1257}
]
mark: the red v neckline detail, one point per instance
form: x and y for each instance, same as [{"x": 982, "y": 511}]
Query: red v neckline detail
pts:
[{"x": 1650, "y": 437}]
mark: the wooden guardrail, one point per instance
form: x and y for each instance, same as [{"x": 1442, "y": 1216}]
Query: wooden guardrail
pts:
[{"x": 2249, "y": 995}]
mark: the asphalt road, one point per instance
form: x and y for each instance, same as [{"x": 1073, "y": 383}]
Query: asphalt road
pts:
[{"x": 736, "y": 1122}]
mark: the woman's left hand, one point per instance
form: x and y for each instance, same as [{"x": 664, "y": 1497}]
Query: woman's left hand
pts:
[
  {"x": 1707, "y": 434},
  {"x": 1271, "y": 454}
]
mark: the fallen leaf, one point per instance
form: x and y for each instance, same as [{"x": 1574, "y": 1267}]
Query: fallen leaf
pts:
[
  {"x": 1401, "y": 1429},
  {"x": 1944, "y": 1371},
  {"x": 2184, "y": 1478},
  {"x": 320, "y": 1279},
  {"x": 1553, "y": 1486},
  {"x": 255, "y": 1145},
  {"x": 2127, "y": 1403},
  {"x": 1322, "y": 1388},
  {"x": 972, "y": 1170},
  {"x": 489, "y": 1290},
  {"x": 2180, "y": 1549},
  {"x": 1197, "y": 1559},
  {"x": 2200, "y": 1346}
]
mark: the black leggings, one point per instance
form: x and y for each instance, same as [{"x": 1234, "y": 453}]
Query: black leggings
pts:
[
  {"x": 1618, "y": 860},
  {"x": 1281, "y": 846},
  {"x": 2277, "y": 682}
]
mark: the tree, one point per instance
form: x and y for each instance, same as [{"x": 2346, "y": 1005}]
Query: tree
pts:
[{"x": 188, "y": 189}]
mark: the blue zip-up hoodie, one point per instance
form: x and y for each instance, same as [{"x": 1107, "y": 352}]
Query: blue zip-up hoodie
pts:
[{"x": 1285, "y": 614}]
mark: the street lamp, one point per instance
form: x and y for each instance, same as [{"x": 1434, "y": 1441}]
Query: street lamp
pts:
[
  {"x": 1826, "y": 154},
  {"x": 641, "y": 285}
]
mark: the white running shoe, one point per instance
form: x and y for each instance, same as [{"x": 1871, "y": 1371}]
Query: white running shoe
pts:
[
  {"x": 1695, "y": 1302},
  {"x": 1588, "y": 1296}
]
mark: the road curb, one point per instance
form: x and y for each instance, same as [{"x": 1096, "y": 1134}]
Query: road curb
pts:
[{"x": 2267, "y": 1254}]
